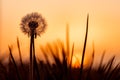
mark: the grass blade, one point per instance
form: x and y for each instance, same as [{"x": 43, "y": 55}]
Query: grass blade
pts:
[
  {"x": 67, "y": 40},
  {"x": 15, "y": 65},
  {"x": 84, "y": 48},
  {"x": 89, "y": 70},
  {"x": 71, "y": 56},
  {"x": 101, "y": 61},
  {"x": 18, "y": 45}
]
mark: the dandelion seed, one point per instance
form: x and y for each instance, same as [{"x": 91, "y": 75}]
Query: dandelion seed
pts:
[{"x": 33, "y": 23}]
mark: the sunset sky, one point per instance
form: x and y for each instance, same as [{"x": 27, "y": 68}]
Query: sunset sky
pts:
[{"x": 104, "y": 23}]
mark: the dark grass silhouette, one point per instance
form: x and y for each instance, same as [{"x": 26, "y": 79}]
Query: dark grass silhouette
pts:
[
  {"x": 62, "y": 68},
  {"x": 84, "y": 49}
]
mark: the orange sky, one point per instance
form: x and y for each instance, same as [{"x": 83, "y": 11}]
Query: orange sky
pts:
[{"x": 104, "y": 23}]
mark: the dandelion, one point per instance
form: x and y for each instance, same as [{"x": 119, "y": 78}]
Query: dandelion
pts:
[{"x": 33, "y": 24}]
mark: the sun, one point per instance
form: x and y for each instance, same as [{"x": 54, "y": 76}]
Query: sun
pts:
[{"x": 76, "y": 60}]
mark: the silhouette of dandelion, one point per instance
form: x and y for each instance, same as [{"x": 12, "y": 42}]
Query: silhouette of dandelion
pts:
[{"x": 33, "y": 24}]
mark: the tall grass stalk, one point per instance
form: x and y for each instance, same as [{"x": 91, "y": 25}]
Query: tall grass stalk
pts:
[
  {"x": 71, "y": 56},
  {"x": 101, "y": 61},
  {"x": 67, "y": 40},
  {"x": 20, "y": 55},
  {"x": 15, "y": 65},
  {"x": 109, "y": 68},
  {"x": 84, "y": 49},
  {"x": 92, "y": 60}
]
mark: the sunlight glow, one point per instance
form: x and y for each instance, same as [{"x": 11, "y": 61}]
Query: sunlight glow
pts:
[{"x": 76, "y": 60}]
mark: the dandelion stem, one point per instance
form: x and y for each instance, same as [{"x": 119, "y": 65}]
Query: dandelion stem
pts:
[{"x": 31, "y": 56}]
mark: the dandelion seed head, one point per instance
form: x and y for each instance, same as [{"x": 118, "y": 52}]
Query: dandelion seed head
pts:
[{"x": 33, "y": 23}]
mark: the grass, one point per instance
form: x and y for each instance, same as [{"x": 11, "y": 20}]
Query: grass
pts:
[
  {"x": 84, "y": 48},
  {"x": 62, "y": 68}
]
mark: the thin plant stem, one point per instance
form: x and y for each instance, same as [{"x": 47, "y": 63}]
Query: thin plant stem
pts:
[
  {"x": 15, "y": 65},
  {"x": 31, "y": 56},
  {"x": 67, "y": 40},
  {"x": 18, "y": 45},
  {"x": 101, "y": 61},
  {"x": 84, "y": 49},
  {"x": 90, "y": 67},
  {"x": 35, "y": 65},
  {"x": 71, "y": 56}
]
